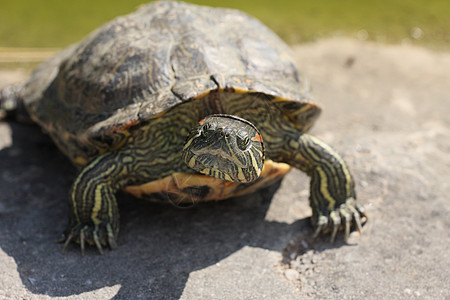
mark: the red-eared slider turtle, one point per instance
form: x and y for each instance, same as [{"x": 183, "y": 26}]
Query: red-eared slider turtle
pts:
[{"x": 182, "y": 102}]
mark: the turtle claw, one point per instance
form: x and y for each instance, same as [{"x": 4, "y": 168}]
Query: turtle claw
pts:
[
  {"x": 82, "y": 242},
  {"x": 111, "y": 238},
  {"x": 348, "y": 221},
  {"x": 321, "y": 224},
  {"x": 99, "y": 236},
  {"x": 336, "y": 220},
  {"x": 342, "y": 217},
  {"x": 97, "y": 242},
  {"x": 358, "y": 225},
  {"x": 66, "y": 242}
]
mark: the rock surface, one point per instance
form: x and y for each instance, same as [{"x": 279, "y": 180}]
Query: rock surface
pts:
[{"x": 386, "y": 109}]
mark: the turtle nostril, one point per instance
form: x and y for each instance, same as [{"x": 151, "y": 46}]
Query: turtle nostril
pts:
[{"x": 227, "y": 134}]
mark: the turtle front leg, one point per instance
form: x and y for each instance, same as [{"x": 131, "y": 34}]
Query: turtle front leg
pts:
[
  {"x": 332, "y": 188},
  {"x": 94, "y": 215}
]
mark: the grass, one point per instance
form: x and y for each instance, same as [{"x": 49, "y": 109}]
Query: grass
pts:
[{"x": 56, "y": 23}]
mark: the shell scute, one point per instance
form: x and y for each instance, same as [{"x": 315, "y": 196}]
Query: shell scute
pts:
[{"x": 139, "y": 66}]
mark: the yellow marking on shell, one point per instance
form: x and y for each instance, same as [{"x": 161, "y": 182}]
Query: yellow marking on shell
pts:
[
  {"x": 307, "y": 106},
  {"x": 279, "y": 99},
  {"x": 158, "y": 115},
  {"x": 202, "y": 95},
  {"x": 220, "y": 189},
  {"x": 237, "y": 90}
]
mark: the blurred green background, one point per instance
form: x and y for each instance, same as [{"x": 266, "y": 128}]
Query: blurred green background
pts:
[{"x": 57, "y": 23}]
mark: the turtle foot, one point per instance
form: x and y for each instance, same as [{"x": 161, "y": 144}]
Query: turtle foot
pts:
[
  {"x": 347, "y": 214},
  {"x": 100, "y": 235}
]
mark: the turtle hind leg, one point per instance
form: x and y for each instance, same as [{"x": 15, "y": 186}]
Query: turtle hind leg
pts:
[
  {"x": 12, "y": 106},
  {"x": 332, "y": 189}
]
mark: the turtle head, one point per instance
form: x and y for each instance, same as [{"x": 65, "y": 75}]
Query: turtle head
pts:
[{"x": 226, "y": 147}]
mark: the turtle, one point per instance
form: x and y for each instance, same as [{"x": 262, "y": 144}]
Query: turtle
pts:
[{"x": 181, "y": 103}]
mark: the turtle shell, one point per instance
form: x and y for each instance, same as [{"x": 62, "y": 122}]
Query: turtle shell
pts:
[{"x": 89, "y": 96}]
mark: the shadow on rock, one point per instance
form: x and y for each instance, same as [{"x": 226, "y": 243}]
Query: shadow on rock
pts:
[{"x": 159, "y": 245}]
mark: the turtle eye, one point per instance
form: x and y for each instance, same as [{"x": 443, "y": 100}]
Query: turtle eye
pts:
[{"x": 243, "y": 143}]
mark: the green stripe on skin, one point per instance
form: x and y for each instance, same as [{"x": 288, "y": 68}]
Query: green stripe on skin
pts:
[
  {"x": 331, "y": 183},
  {"x": 94, "y": 212}
]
